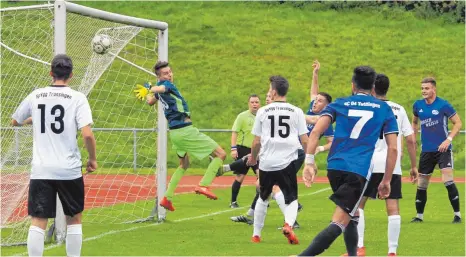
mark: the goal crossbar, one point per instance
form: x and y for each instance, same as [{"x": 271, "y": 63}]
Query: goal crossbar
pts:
[
  {"x": 58, "y": 10},
  {"x": 99, "y": 14}
]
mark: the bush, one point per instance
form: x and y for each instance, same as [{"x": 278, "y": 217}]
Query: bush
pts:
[{"x": 451, "y": 11}]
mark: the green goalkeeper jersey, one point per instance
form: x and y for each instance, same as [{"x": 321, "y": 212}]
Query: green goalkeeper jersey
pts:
[{"x": 243, "y": 126}]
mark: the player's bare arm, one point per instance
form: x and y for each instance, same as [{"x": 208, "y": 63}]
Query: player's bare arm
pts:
[
  {"x": 315, "y": 80},
  {"x": 15, "y": 123},
  {"x": 415, "y": 125},
  {"x": 89, "y": 142},
  {"x": 310, "y": 168},
  {"x": 325, "y": 147},
  {"x": 457, "y": 124},
  {"x": 304, "y": 139},
  {"x": 157, "y": 89},
  {"x": 151, "y": 100},
  {"x": 312, "y": 119},
  {"x": 392, "y": 153},
  {"x": 411, "y": 145},
  {"x": 234, "y": 150}
]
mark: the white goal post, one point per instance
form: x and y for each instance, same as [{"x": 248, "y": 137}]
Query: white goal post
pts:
[{"x": 31, "y": 36}]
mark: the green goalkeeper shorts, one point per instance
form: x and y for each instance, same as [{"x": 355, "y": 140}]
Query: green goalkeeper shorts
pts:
[{"x": 190, "y": 140}]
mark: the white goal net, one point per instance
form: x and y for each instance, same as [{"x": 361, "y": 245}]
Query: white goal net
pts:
[{"x": 123, "y": 189}]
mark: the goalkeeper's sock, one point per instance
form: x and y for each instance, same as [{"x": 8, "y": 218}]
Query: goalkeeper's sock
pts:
[
  {"x": 74, "y": 240},
  {"x": 211, "y": 172},
  {"x": 35, "y": 241},
  {"x": 174, "y": 182}
]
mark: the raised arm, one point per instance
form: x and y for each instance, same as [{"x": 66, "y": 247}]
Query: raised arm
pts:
[{"x": 315, "y": 80}]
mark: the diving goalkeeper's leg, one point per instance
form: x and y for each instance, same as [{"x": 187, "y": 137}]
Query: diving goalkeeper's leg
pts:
[
  {"x": 175, "y": 179},
  {"x": 211, "y": 172}
]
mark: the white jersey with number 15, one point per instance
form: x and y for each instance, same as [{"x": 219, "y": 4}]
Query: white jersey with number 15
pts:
[{"x": 279, "y": 126}]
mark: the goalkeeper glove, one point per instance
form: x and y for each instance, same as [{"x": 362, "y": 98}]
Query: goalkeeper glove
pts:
[{"x": 142, "y": 90}]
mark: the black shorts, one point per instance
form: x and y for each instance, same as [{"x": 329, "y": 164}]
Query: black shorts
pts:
[
  {"x": 243, "y": 151},
  {"x": 42, "y": 199},
  {"x": 428, "y": 161},
  {"x": 298, "y": 163},
  {"x": 348, "y": 189},
  {"x": 285, "y": 179},
  {"x": 373, "y": 186}
]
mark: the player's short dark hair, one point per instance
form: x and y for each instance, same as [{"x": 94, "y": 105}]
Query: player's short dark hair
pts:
[
  {"x": 253, "y": 95},
  {"x": 382, "y": 83},
  {"x": 364, "y": 77},
  {"x": 159, "y": 65},
  {"x": 279, "y": 84},
  {"x": 62, "y": 67},
  {"x": 430, "y": 80},
  {"x": 327, "y": 96}
]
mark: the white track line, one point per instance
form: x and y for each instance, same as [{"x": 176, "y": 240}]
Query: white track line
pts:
[{"x": 111, "y": 232}]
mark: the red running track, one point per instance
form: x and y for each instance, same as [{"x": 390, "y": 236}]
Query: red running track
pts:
[{"x": 107, "y": 190}]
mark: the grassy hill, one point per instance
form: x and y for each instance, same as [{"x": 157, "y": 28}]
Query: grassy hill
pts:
[{"x": 221, "y": 52}]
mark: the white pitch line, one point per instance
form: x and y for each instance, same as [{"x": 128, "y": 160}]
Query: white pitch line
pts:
[{"x": 111, "y": 232}]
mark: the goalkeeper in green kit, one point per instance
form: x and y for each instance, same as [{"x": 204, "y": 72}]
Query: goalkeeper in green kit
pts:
[{"x": 186, "y": 139}]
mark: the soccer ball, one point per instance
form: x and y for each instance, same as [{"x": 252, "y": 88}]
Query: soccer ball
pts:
[{"x": 101, "y": 44}]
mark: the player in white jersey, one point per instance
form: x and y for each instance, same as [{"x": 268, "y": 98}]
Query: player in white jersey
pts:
[
  {"x": 57, "y": 112},
  {"x": 277, "y": 129},
  {"x": 379, "y": 158}
]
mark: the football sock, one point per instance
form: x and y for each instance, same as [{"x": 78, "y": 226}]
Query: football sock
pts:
[
  {"x": 259, "y": 216},
  {"x": 361, "y": 228},
  {"x": 175, "y": 179},
  {"x": 35, "y": 241},
  {"x": 291, "y": 212},
  {"x": 280, "y": 199},
  {"x": 235, "y": 190},
  {"x": 74, "y": 240},
  {"x": 421, "y": 200},
  {"x": 324, "y": 239},
  {"x": 453, "y": 196},
  {"x": 211, "y": 172},
  {"x": 394, "y": 227},
  {"x": 351, "y": 237}
]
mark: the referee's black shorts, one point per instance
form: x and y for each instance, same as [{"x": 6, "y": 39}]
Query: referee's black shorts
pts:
[{"x": 243, "y": 151}]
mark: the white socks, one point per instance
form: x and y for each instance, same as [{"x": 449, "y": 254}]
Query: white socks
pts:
[
  {"x": 394, "y": 227},
  {"x": 259, "y": 216},
  {"x": 457, "y": 214},
  {"x": 226, "y": 168},
  {"x": 420, "y": 216},
  {"x": 280, "y": 199},
  {"x": 74, "y": 240},
  {"x": 35, "y": 241},
  {"x": 251, "y": 212},
  {"x": 361, "y": 228},
  {"x": 291, "y": 212}
]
